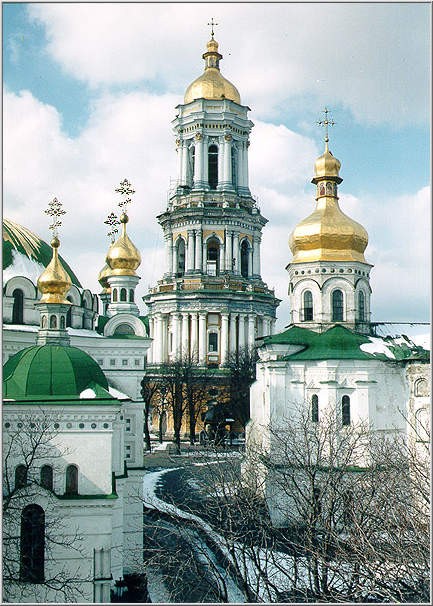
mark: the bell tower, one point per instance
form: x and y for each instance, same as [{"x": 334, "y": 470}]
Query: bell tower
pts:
[
  {"x": 329, "y": 278},
  {"x": 211, "y": 300}
]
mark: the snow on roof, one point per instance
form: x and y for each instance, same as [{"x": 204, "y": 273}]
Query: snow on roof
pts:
[
  {"x": 117, "y": 394},
  {"x": 87, "y": 394},
  {"x": 377, "y": 346},
  {"x": 83, "y": 332},
  {"x": 21, "y": 327},
  {"x": 22, "y": 266}
]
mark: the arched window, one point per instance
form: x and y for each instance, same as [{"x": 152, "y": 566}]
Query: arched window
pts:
[
  {"x": 345, "y": 410},
  {"x": 213, "y": 252},
  {"x": 337, "y": 306},
  {"x": 213, "y": 342},
  {"x": 69, "y": 313},
  {"x": 32, "y": 544},
  {"x": 123, "y": 294},
  {"x": 71, "y": 479},
  {"x": 124, "y": 329},
  {"x": 20, "y": 476},
  {"x": 245, "y": 253},
  {"x": 62, "y": 322},
  {"x": 361, "y": 306},
  {"x": 47, "y": 477},
  {"x": 421, "y": 387},
  {"x": 315, "y": 408},
  {"x": 234, "y": 167},
  {"x": 180, "y": 257},
  {"x": 213, "y": 166},
  {"x": 44, "y": 321},
  {"x": 53, "y": 321},
  {"x": 131, "y": 295},
  {"x": 308, "y": 306},
  {"x": 18, "y": 307},
  {"x": 191, "y": 165},
  {"x": 114, "y": 295}
]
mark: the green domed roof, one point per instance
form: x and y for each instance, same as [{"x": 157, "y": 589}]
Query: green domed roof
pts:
[
  {"x": 24, "y": 253},
  {"x": 53, "y": 371}
]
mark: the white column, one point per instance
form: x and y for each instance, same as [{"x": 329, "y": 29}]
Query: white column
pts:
[
  {"x": 185, "y": 334},
  {"x": 250, "y": 261},
  {"x": 228, "y": 161},
  {"x": 256, "y": 256},
  {"x": 251, "y": 329},
  {"x": 221, "y": 258},
  {"x": 175, "y": 325},
  {"x": 194, "y": 336},
  {"x": 221, "y": 151},
  {"x": 149, "y": 356},
  {"x": 241, "y": 331},
  {"x": 229, "y": 256},
  {"x": 169, "y": 248},
  {"x": 158, "y": 339},
  {"x": 232, "y": 333},
  {"x": 202, "y": 338},
  {"x": 224, "y": 337},
  {"x": 241, "y": 156},
  {"x": 180, "y": 162},
  {"x": 190, "y": 251},
  {"x": 245, "y": 169},
  {"x": 236, "y": 265},
  {"x": 199, "y": 250},
  {"x": 198, "y": 162},
  {"x": 164, "y": 337}
]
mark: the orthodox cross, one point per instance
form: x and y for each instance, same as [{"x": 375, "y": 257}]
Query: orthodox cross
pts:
[
  {"x": 112, "y": 221},
  {"x": 212, "y": 23},
  {"x": 325, "y": 123},
  {"x": 55, "y": 211},
  {"x": 125, "y": 189}
]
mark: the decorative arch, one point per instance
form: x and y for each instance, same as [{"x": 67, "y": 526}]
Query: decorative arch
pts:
[
  {"x": 124, "y": 329},
  {"x": 137, "y": 326},
  {"x": 421, "y": 387},
  {"x": 213, "y": 245},
  {"x": 337, "y": 305},
  {"x": 86, "y": 298},
  {"x": 74, "y": 296},
  {"x": 180, "y": 256},
  {"x": 245, "y": 248},
  {"x": 71, "y": 485},
  {"x": 47, "y": 478},
  {"x": 32, "y": 544},
  {"x": 22, "y": 283}
]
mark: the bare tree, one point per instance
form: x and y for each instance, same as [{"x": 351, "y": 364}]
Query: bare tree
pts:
[
  {"x": 241, "y": 366},
  {"x": 30, "y": 459},
  {"x": 149, "y": 389}
]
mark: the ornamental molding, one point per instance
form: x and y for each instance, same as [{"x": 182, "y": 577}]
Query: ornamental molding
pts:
[{"x": 228, "y": 137}]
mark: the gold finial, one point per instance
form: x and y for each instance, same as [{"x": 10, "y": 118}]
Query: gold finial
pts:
[
  {"x": 325, "y": 123},
  {"x": 112, "y": 221},
  {"x": 55, "y": 211},
  {"x": 212, "y": 23}
]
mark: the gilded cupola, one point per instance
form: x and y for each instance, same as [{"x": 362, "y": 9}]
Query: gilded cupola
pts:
[
  {"x": 103, "y": 277},
  {"x": 54, "y": 282},
  {"x": 123, "y": 258},
  {"x": 212, "y": 84},
  {"x": 328, "y": 234}
]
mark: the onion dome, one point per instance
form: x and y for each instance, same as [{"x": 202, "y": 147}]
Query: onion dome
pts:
[
  {"x": 44, "y": 371},
  {"x": 212, "y": 84},
  {"x": 25, "y": 254},
  {"x": 54, "y": 282},
  {"x": 103, "y": 277},
  {"x": 123, "y": 258},
  {"x": 328, "y": 234}
]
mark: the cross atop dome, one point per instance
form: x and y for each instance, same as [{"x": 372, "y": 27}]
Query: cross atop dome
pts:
[
  {"x": 212, "y": 23},
  {"x": 325, "y": 123}
]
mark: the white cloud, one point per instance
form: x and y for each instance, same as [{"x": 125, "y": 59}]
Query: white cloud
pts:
[{"x": 358, "y": 55}]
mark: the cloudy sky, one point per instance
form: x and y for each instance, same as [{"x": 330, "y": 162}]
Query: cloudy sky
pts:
[{"x": 90, "y": 90}]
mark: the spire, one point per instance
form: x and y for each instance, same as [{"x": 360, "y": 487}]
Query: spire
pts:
[
  {"x": 54, "y": 283},
  {"x": 325, "y": 123}
]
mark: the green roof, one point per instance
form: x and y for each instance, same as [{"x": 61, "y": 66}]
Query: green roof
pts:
[
  {"x": 25, "y": 242},
  {"x": 46, "y": 371},
  {"x": 339, "y": 342}
]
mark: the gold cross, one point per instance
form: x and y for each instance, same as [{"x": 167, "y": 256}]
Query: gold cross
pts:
[
  {"x": 212, "y": 23},
  {"x": 55, "y": 211},
  {"x": 325, "y": 123}
]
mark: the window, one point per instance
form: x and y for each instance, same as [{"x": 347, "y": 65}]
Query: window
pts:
[
  {"x": 112, "y": 362},
  {"x": 62, "y": 322},
  {"x": 337, "y": 306},
  {"x": 124, "y": 362},
  {"x": 20, "y": 476},
  {"x": 53, "y": 322},
  {"x": 32, "y": 544},
  {"x": 315, "y": 408},
  {"x": 345, "y": 410},
  {"x": 47, "y": 477},
  {"x": 137, "y": 362},
  {"x": 180, "y": 270},
  {"x": 213, "y": 342},
  {"x": 114, "y": 295},
  {"x": 213, "y": 166},
  {"x": 213, "y": 249},
  {"x": 361, "y": 306},
  {"x": 124, "y": 329},
  {"x": 131, "y": 295},
  {"x": 234, "y": 167},
  {"x": 128, "y": 425},
  {"x": 308, "y": 306},
  {"x": 245, "y": 250},
  {"x": 127, "y": 451},
  {"x": 123, "y": 294},
  {"x": 18, "y": 307},
  {"x": 44, "y": 321},
  {"x": 191, "y": 164},
  {"x": 71, "y": 479}
]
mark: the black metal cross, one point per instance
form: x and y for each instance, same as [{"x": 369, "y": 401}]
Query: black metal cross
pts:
[
  {"x": 325, "y": 123},
  {"x": 212, "y": 23}
]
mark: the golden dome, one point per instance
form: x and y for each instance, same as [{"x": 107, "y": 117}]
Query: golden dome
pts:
[
  {"x": 54, "y": 282},
  {"x": 102, "y": 278},
  {"x": 212, "y": 84},
  {"x": 328, "y": 234},
  {"x": 123, "y": 257}
]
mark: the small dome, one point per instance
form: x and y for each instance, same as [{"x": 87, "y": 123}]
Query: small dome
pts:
[
  {"x": 54, "y": 282},
  {"x": 212, "y": 84},
  {"x": 25, "y": 254},
  {"x": 326, "y": 166},
  {"x": 103, "y": 275},
  {"x": 53, "y": 371},
  {"x": 123, "y": 258}
]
